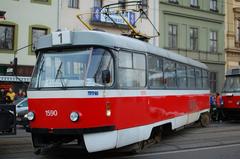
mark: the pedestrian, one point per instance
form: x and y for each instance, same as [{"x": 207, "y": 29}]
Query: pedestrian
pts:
[
  {"x": 213, "y": 107},
  {"x": 2, "y": 96},
  {"x": 10, "y": 96},
  {"x": 24, "y": 94},
  {"x": 219, "y": 105},
  {"x": 20, "y": 94}
]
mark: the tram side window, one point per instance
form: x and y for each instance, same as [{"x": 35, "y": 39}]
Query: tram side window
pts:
[
  {"x": 198, "y": 78},
  {"x": 181, "y": 76},
  {"x": 155, "y": 72},
  {"x": 205, "y": 78},
  {"x": 191, "y": 77},
  {"x": 132, "y": 70},
  {"x": 169, "y": 73}
]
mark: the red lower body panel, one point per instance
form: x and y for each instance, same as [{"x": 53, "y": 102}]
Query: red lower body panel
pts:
[{"x": 126, "y": 112}]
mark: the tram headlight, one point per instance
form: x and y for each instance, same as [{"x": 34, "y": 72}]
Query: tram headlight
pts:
[
  {"x": 30, "y": 116},
  {"x": 238, "y": 103},
  {"x": 74, "y": 116}
]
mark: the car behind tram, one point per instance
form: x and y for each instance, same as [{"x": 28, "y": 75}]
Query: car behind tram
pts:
[
  {"x": 106, "y": 91},
  {"x": 231, "y": 94}
]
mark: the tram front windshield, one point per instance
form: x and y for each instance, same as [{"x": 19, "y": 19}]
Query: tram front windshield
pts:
[
  {"x": 232, "y": 84},
  {"x": 72, "y": 68}
]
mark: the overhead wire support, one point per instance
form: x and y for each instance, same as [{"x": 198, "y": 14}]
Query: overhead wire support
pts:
[
  {"x": 89, "y": 27},
  {"x": 107, "y": 14},
  {"x": 139, "y": 8}
]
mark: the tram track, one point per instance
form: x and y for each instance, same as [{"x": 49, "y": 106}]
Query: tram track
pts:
[
  {"x": 189, "y": 140},
  {"x": 179, "y": 151}
]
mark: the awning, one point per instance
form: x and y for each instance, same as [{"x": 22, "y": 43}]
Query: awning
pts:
[{"x": 15, "y": 79}]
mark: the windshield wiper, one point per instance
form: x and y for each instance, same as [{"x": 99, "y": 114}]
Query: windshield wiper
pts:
[
  {"x": 58, "y": 71},
  {"x": 40, "y": 72},
  {"x": 57, "y": 74}
]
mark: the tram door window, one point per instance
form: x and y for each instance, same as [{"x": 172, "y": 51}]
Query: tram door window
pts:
[
  {"x": 155, "y": 72},
  {"x": 132, "y": 70},
  {"x": 191, "y": 77},
  {"x": 198, "y": 74},
  {"x": 205, "y": 79},
  {"x": 181, "y": 76},
  {"x": 169, "y": 68}
]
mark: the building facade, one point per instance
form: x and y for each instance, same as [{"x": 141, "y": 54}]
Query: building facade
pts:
[
  {"x": 232, "y": 33},
  {"x": 23, "y": 23},
  {"x": 195, "y": 28},
  {"x": 89, "y": 11},
  {"x": 192, "y": 28}
]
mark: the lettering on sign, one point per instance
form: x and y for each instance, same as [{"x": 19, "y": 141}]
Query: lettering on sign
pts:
[
  {"x": 93, "y": 93},
  {"x": 51, "y": 113}
]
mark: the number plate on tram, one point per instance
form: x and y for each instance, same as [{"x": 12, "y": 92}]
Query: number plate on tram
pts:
[{"x": 51, "y": 113}]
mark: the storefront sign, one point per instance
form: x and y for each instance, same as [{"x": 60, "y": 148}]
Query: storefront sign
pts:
[
  {"x": 99, "y": 16},
  {"x": 15, "y": 79}
]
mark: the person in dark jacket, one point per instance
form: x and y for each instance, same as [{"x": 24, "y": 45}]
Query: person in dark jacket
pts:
[{"x": 2, "y": 96}]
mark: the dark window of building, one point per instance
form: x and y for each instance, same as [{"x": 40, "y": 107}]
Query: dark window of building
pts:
[
  {"x": 155, "y": 72},
  {"x": 213, "y": 81},
  {"x": 145, "y": 6},
  {"x": 213, "y": 41},
  {"x": 7, "y": 37},
  {"x": 237, "y": 43},
  {"x": 173, "y": 1},
  {"x": 194, "y": 3},
  {"x": 169, "y": 68},
  {"x": 213, "y": 5},
  {"x": 172, "y": 36},
  {"x": 98, "y": 3},
  {"x": 194, "y": 39},
  {"x": 36, "y": 33},
  {"x": 122, "y": 3},
  {"x": 73, "y": 3},
  {"x": 47, "y": 2},
  {"x": 40, "y": 0}
]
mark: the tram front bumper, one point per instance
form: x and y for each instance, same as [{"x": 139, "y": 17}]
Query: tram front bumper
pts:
[
  {"x": 70, "y": 131},
  {"x": 92, "y": 139}
]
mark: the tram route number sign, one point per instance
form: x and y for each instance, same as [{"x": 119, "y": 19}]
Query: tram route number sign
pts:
[{"x": 61, "y": 38}]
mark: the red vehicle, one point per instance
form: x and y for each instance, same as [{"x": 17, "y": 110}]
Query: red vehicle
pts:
[
  {"x": 231, "y": 94},
  {"x": 106, "y": 91}
]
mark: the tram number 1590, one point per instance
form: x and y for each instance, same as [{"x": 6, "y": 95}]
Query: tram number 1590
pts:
[{"x": 51, "y": 113}]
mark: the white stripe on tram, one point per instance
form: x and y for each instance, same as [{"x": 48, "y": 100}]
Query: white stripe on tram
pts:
[{"x": 111, "y": 93}]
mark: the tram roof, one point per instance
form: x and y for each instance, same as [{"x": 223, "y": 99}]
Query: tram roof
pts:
[{"x": 111, "y": 40}]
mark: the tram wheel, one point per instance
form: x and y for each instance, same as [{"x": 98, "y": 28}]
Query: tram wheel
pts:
[
  {"x": 204, "y": 119},
  {"x": 37, "y": 151},
  {"x": 136, "y": 148}
]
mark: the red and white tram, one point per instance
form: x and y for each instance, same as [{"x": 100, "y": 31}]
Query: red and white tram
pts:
[
  {"x": 231, "y": 94},
  {"x": 108, "y": 91}
]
